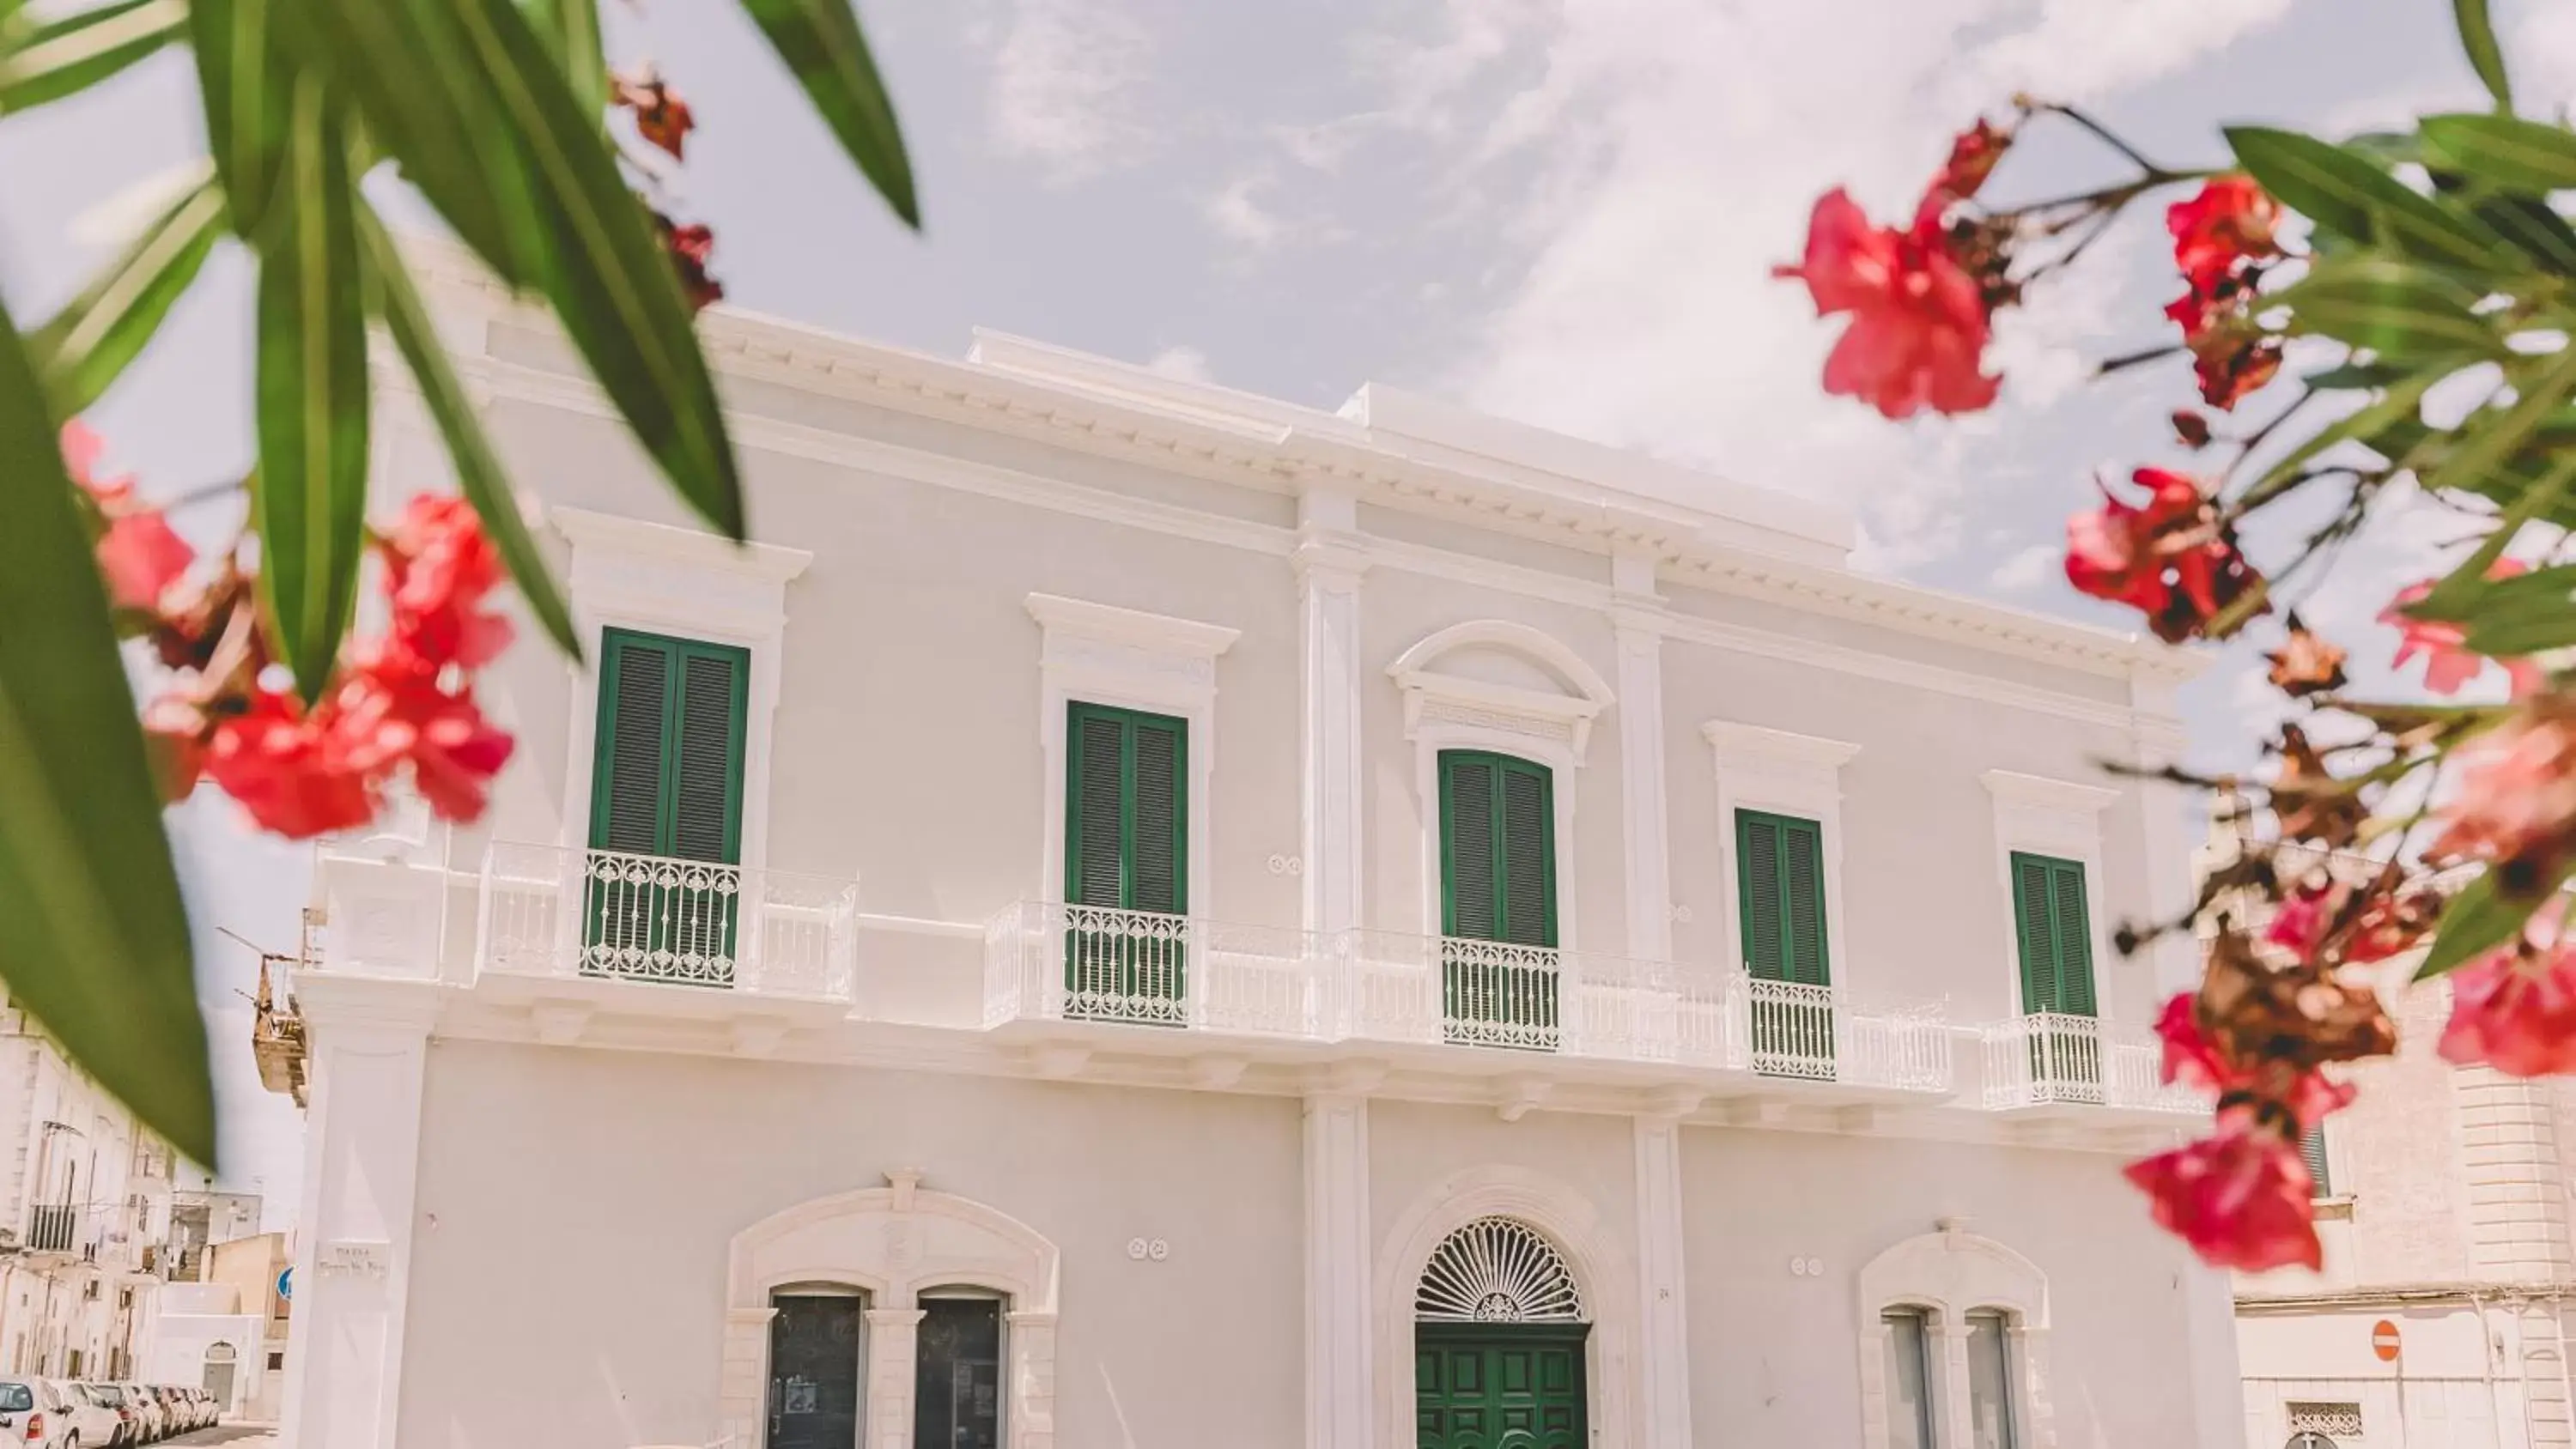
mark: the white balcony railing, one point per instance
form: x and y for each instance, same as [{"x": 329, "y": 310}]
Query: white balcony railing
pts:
[
  {"x": 1081, "y": 963},
  {"x": 552, "y": 910},
  {"x": 2050, "y": 1059}
]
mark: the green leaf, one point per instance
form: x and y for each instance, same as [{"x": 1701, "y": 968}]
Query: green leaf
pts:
[
  {"x": 411, "y": 70},
  {"x": 571, "y": 29},
  {"x": 67, "y": 56},
  {"x": 2394, "y": 408},
  {"x": 2506, "y": 151},
  {"x": 2504, "y": 600},
  {"x": 610, "y": 279},
  {"x": 2477, "y": 920},
  {"x": 478, "y": 468},
  {"x": 2528, "y": 223},
  {"x": 2353, "y": 195},
  {"x": 97, "y": 944},
  {"x": 309, "y": 503},
  {"x": 821, "y": 42},
  {"x": 243, "y": 79},
  {"x": 2477, "y": 37},
  {"x": 2390, "y": 307},
  {"x": 2485, "y": 444},
  {"x": 2526, "y": 632},
  {"x": 83, "y": 348},
  {"x": 2355, "y": 375}
]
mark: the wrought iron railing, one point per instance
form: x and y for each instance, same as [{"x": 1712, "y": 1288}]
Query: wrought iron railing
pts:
[
  {"x": 2052, "y": 1058},
  {"x": 1080, "y": 963},
  {"x": 550, "y": 910},
  {"x": 60, "y": 1228}
]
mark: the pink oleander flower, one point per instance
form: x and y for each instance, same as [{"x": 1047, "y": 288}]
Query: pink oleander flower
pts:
[
  {"x": 1919, "y": 320},
  {"x": 140, "y": 555},
  {"x": 2514, "y": 1009},
  {"x": 2448, "y": 665},
  {"x": 2515, "y": 808},
  {"x": 2241, "y": 1198}
]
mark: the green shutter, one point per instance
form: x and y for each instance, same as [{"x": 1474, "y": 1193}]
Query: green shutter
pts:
[
  {"x": 1780, "y": 895},
  {"x": 2054, "y": 927},
  {"x": 1127, "y": 810},
  {"x": 2312, "y": 1146},
  {"x": 667, "y": 769},
  {"x": 1497, "y": 849}
]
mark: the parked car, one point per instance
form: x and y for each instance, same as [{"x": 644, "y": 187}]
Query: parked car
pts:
[
  {"x": 151, "y": 1424},
  {"x": 129, "y": 1424},
  {"x": 93, "y": 1425},
  {"x": 178, "y": 1411},
  {"x": 30, "y": 1415},
  {"x": 201, "y": 1408}
]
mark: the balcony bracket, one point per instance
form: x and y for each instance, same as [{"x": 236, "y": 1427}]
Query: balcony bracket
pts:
[{"x": 1522, "y": 1095}]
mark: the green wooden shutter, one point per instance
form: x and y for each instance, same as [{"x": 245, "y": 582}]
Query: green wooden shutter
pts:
[
  {"x": 667, "y": 769},
  {"x": 1127, "y": 810},
  {"x": 2312, "y": 1146},
  {"x": 2054, "y": 926},
  {"x": 1780, "y": 895},
  {"x": 1497, "y": 849}
]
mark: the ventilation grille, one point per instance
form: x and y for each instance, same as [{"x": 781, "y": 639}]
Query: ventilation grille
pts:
[
  {"x": 2332, "y": 1420},
  {"x": 1495, "y": 1270}
]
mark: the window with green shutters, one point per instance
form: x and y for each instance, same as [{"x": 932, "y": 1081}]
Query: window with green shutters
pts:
[
  {"x": 2055, "y": 931},
  {"x": 1780, "y": 901},
  {"x": 666, "y": 783},
  {"x": 1498, "y": 884},
  {"x": 1126, "y": 823},
  {"x": 2312, "y": 1148}
]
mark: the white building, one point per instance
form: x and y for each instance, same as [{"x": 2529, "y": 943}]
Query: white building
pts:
[
  {"x": 2441, "y": 1317},
  {"x": 84, "y": 1197},
  {"x": 1544, "y": 955}
]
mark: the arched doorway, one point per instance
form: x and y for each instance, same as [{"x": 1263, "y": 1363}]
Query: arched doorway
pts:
[
  {"x": 1498, "y": 1343},
  {"x": 221, "y": 1359}
]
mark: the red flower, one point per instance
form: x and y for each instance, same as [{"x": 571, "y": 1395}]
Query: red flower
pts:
[
  {"x": 2301, "y": 921},
  {"x": 438, "y": 567},
  {"x": 2192, "y": 1059},
  {"x": 690, "y": 247},
  {"x": 293, "y": 776},
  {"x": 1974, "y": 153},
  {"x": 139, "y": 553},
  {"x": 2241, "y": 1198},
  {"x": 388, "y": 714},
  {"x": 1919, "y": 323},
  {"x": 2516, "y": 804},
  {"x": 2231, "y": 361},
  {"x": 2229, "y": 224},
  {"x": 2170, "y": 560},
  {"x": 2515, "y": 1010},
  {"x": 2447, "y": 665},
  {"x": 661, "y": 117}
]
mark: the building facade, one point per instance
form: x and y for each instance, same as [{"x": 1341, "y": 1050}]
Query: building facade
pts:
[
  {"x": 2440, "y": 1319},
  {"x": 1135, "y": 914},
  {"x": 84, "y": 1199}
]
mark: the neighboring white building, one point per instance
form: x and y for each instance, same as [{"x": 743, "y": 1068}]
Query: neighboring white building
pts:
[
  {"x": 84, "y": 1197},
  {"x": 1553, "y": 950},
  {"x": 225, "y": 1331},
  {"x": 2441, "y": 1318}
]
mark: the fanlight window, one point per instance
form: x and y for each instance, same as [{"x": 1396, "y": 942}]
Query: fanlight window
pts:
[{"x": 1495, "y": 1270}]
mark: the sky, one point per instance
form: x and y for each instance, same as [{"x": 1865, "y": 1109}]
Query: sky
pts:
[{"x": 1561, "y": 211}]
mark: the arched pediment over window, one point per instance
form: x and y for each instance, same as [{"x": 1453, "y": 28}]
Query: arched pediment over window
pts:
[
  {"x": 1950, "y": 1281},
  {"x": 1505, "y": 676}
]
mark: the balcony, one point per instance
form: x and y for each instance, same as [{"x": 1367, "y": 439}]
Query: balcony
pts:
[
  {"x": 564, "y": 912},
  {"x": 61, "y": 1230},
  {"x": 1080, "y": 964},
  {"x": 2050, "y": 1065}
]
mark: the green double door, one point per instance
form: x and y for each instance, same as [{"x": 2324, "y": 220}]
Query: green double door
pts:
[{"x": 1499, "y": 1386}]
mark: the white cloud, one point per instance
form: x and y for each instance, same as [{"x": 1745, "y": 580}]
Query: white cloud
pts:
[
  {"x": 1188, "y": 364},
  {"x": 1236, "y": 213},
  {"x": 1065, "y": 73},
  {"x": 1678, "y": 147},
  {"x": 2027, "y": 569},
  {"x": 2541, "y": 51}
]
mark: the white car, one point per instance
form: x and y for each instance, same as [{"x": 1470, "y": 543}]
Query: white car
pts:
[
  {"x": 95, "y": 1424},
  {"x": 149, "y": 1423},
  {"x": 33, "y": 1413}
]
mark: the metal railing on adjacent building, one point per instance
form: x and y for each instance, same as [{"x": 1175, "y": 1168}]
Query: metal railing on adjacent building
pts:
[
  {"x": 2053, "y": 1059},
  {"x": 1048, "y": 961},
  {"x": 552, "y": 910}
]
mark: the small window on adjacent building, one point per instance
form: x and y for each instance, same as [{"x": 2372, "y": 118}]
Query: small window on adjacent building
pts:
[
  {"x": 277, "y": 1360},
  {"x": 1909, "y": 1379},
  {"x": 957, "y": 1385},
  {"x": 1990, "y": 1413},
  {"x": 2312, "y": 1147},
  {"x": 667, "y": 780},
  {"x": 2055, "y": 932}
]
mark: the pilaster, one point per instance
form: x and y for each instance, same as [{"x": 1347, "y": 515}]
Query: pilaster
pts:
[
  {"x": 893, "y": 1359},
  {"x": 1665, "y": 1356},
  {"x": 1329, "y": 563},
  {"x": 1338, "y": 1396},
  {"x": 1641, "y": 759}
]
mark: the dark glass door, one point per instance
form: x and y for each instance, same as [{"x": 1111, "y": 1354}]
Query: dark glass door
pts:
[
  {"x": 814, "y": 1372},
  {"x": 957, "y": 1394}
]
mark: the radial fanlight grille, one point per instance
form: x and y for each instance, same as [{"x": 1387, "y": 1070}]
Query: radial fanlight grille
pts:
[{"x": 1495, "y": 1270}]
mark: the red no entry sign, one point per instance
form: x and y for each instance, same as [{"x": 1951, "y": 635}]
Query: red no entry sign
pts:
[{"x": 2383, "y": 1340}]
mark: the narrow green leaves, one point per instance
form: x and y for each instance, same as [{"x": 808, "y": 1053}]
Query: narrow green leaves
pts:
[
  {"x": 83, "y": 348},
  {"x": 2477, "y": 920},
  {"x": 2486, "y": 446},
  {"x": 821, "y": 42},
  {"x": 2353, "y": 195},
  {"x": 97, "y": 944},
  {"x": 2477, "y": 37},
  {"x": 478, "y": 469},
  {"x": 2508, "y": 151},
  {"x": 2389, "y": 307},
  {"x": 608, "y": 275},
  {"x": 310, "y": 499},
  {"x": 67, "y": 56},
  {"x": 571, "y": 29},
  {"x": 243, "y": 79}
]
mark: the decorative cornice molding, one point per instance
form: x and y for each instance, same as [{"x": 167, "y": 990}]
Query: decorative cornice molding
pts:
[
  {"x": 1131, "y": 628},
  {"x": 1743, "y": 745},
  {"x": 764, "y": 562},
  {"x": 2039, "y": 793}
]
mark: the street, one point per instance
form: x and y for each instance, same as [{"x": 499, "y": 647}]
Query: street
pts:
[{"x": 242, "y": 1436}]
